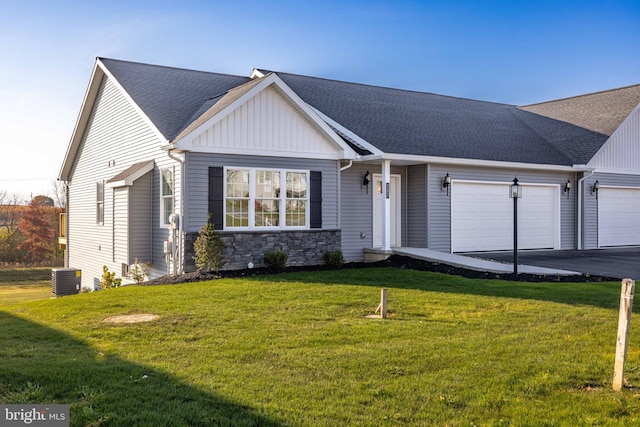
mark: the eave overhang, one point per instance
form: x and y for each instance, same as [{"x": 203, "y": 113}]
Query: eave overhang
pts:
[{"x": 408, "y": 159}]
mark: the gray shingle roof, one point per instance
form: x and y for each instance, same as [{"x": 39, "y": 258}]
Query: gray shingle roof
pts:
[
  {"x": 215, "y": 105},
  {"x": 407, "y": 122},
  {"x": 170, "y": 96},
  {"x": 393, "y": 120}
]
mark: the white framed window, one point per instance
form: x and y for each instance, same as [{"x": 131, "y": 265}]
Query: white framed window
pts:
[
  {"x": 266, "y": 199},
  {"x": 166, "y": 196},
  {"x": 100, "y": 202}
]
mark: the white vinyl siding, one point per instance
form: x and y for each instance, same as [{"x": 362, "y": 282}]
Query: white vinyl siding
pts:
[
  {"x": 621, "y": 151},
  {"x": 115, "y": 138}
]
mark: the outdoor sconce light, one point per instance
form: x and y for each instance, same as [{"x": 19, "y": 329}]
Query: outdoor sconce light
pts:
[
  {"x": 595, "y": 188},
  {"x": 446, "y": 182},
  {"x": 365, "y": 179},
  {"x": 567, "y": 187}
]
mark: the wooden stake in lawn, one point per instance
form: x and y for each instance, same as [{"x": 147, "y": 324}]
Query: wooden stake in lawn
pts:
[
  {"x": 624, "y": 321},
  {"x": 383, "y": 303}
]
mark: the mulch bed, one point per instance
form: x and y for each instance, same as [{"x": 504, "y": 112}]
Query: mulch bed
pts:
[{"x": 397, "y": 261}]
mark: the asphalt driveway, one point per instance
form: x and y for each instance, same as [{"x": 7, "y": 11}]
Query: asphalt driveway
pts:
[{"x": 613, "y": 262}]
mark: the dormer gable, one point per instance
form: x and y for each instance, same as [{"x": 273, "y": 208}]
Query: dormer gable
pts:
[{"x": 263, "y": 117}]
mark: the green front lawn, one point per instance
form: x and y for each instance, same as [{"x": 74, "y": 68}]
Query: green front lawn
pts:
[
  {"x": 296, "y": 349},
  {"x": 24, "y": 284}
]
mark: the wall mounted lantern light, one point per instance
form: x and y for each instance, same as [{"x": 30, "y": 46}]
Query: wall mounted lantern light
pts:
[
  {"x": 595, "y": 188},
  {"x": 567, "y": 187},
  {"x": 365, "y": 179},
  {"x": 446, "y": 182}
]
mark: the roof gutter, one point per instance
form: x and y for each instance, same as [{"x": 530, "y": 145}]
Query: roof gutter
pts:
[{"x": 417, "y": 159}]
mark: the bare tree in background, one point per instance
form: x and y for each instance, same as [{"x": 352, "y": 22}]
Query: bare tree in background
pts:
[{"x": 59, "y": 196}]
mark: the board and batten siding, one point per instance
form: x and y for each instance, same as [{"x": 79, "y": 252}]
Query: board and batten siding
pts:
[
  {"x": 116, "y": 136},
  {"x": 439, "y": 221},
  {"x": 198, "y": 182},
  {"x": 265, "y": 124}
]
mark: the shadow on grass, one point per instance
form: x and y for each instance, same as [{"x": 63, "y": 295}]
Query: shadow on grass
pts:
[
  {"x": 598, "y": 294},
  {"x": 42, "y": 365}
]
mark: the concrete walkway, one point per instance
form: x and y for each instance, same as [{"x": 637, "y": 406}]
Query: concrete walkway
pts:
[{"x": 476, "y": 263}]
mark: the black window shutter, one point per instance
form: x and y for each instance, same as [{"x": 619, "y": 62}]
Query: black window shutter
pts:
[
  {"x": 216, "y": 197},
  {"x": 315, "y": 200}
]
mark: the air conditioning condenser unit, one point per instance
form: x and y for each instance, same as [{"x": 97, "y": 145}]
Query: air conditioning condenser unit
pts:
[{"x": 65, "y": 281}]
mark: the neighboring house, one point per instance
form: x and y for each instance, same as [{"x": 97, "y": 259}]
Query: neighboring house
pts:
[{"x": 308, "y": 165}]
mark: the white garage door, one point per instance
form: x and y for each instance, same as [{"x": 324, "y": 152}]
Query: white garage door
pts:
[
  {"x": 618, "y": 216},
  {"x": 482, "y": 217}
]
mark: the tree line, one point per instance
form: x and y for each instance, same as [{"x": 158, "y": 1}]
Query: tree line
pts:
[{"x": 29, "y": 233}]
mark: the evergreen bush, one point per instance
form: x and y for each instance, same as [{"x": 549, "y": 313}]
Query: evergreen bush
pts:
[
  {"x": 333, "y": 259},
  {"x": 208, "y": 249},
  {"x": 139, "y": 271},
  {"x": 275, "y": 259}
]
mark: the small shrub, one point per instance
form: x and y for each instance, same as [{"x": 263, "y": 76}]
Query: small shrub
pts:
[
  {"x": 275, "y": 259},
  {"x": 333, "y": 259},
  {"x": 109, "y": 280},
  {"x": 139, "y": 271},
  {"x": 208, "y": 249}
]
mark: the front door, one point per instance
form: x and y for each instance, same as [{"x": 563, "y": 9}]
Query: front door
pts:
[{"x": 394, "y": 197}]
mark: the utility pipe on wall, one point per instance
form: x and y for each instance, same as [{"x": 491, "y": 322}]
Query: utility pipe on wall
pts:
[{"x": 181, "y": 224}]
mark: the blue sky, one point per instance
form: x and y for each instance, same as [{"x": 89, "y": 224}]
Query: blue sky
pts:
[{"x": 516, "y": 52}]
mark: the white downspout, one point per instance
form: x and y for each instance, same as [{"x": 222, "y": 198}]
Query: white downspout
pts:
[
  {"x": 580, "y": 203},
  {"x": 344, "y": 168}
]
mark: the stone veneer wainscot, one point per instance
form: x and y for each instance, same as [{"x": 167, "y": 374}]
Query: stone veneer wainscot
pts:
[{"x": 303, "y": 247}]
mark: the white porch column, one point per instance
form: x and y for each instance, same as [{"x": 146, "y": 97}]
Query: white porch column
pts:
[{"x": 386, "y": 205}]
